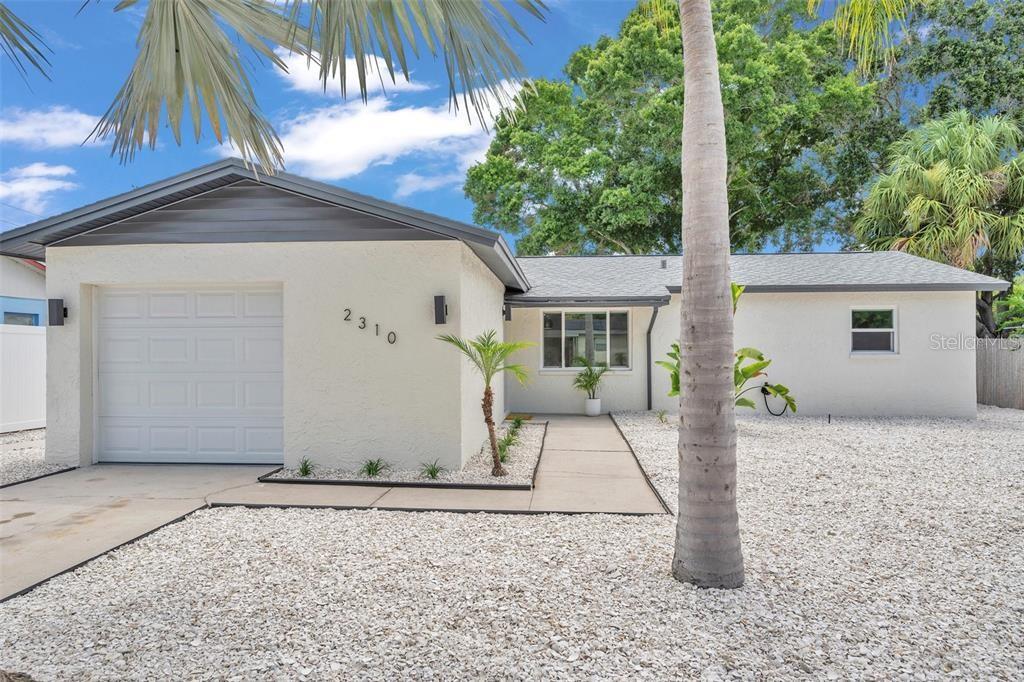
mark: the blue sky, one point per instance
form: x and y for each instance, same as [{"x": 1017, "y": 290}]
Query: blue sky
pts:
[{"x": 405, "y": 146}]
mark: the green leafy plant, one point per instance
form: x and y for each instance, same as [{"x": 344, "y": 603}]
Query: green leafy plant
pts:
[
  {"x": 503, "y": 451},
  {"x": 1010, "y": 313},
  {"x": 517, "y": 423},
  {"x": 749, "y": 364},
  {"x": 490, "y": 357},
  {"x": 663, "y": 416},
  {"x": 431, "y": 470},
  {"x": 305, "y": 467},
  {"x": 373, "y": 467},
  {"x": 589, "y": 378},
  {"x": 510, "y": 438}
]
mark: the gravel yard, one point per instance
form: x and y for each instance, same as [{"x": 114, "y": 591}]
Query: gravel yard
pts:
[
  {"x": 521, "y": 462},
  {"x": 875, "y": 548},
  {"x": 21, "y": 456}
]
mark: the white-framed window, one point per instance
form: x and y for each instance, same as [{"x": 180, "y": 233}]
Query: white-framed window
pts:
[
  {"x": 873, "y": 330},
  {"x": 600, "y": 336}
]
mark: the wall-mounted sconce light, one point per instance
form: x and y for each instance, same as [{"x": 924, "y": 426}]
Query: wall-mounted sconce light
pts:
[
  {"x": 56, "y": 312},
  {"x": 440, "y": 310},
  {"x": 508, "y": 312}
]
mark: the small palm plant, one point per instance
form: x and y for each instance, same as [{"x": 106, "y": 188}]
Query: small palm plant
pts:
[
  {"x": 490, "y": 357},
  {"x": 305, "y": 467},
  {"x": 589, "y": 378}
]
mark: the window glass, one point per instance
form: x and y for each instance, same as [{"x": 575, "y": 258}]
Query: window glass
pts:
[
  {"x": 872, "y": 319},
  {"x": 873, "y": 341},
  {"x": 873, "y": 331},
  {"x": 25, "y": 319},
  {"x": 585, "y": 337},
  {"x": 552, "y": 339},
  {"x": 618, "y": 340}
]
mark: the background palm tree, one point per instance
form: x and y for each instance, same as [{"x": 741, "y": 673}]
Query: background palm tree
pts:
[
  {"x": 707, "y": 547},
  {"x": 490, "y": 357},
  {"x": 186, "y": 53},
  {"x": 954, "y": 192}
]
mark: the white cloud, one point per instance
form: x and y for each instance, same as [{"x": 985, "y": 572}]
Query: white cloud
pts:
[
  {"x": 29, "y": 187},
  {"x": 46, "y": 128},
  {"x": 337, "y": 142},
  {"x": 304, "y": 76},
  {"x": 472, "y": 151}
]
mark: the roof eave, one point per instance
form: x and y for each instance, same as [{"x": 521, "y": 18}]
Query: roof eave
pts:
[
  {"x": 995, "y": 285},
  {"x": 585, "y": 301}
]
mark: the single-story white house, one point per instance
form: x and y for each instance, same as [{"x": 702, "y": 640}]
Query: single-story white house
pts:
[{"x": 220, "y": 316}]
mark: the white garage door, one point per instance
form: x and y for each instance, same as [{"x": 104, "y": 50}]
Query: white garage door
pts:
[{"x": 189, "y": 375}]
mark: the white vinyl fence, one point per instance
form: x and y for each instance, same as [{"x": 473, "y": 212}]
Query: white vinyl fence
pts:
[
  {"x": 1001, "y": 372},
  {"x": 22, "y": 377}
]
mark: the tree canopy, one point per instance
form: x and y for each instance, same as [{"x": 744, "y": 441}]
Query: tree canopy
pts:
[
  {"x": 964, "y": 54},
  {"x": 592, "y": 164}
]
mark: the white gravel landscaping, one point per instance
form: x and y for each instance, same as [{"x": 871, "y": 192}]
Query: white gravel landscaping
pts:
[
  {"x": 21, "y": 456},
  {"x": 520, "y": 465},
  {"x": 875, "y": 549}
]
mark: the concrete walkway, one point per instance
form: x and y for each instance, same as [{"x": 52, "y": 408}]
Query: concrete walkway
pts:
[
  {"x": 55, "y": 523},
  {"x": 586, "y": 466}
]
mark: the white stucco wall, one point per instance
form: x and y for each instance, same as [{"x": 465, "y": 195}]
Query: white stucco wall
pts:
[
  {"x": 551, "y": 391},
  {"x": 481, "y": 310},
  {"x": 807, "y": 337},
  {"x": 348, "y": 394},
  {"x": 20, "y": 281}
]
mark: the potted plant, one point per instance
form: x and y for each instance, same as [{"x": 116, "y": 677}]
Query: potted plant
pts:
[{"x": 588, "y": 381}]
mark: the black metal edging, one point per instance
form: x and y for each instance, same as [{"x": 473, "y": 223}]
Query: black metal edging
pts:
[
  {"x": 383, "y": 483},
  {"x": 36, "y": 478},
  {"x": 641, "y": 466},
  {"x": 77, "y": 566}
]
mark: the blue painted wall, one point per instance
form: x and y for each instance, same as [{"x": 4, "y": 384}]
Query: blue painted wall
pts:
[{"x": 33, "y": 306}]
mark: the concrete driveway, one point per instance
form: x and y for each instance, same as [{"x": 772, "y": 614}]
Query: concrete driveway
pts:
[{"x": 55, "y": 523}]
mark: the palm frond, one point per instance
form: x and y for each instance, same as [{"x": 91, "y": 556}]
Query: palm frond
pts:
[
  {"x": 19, "y": 41},
  {"x": 470, "y": 38},
  {"x": 865, "y": 28},
  {"x": 186, "y": 55}
]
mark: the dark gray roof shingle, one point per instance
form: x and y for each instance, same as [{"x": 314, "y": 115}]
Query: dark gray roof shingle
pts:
[{"x": 644, "y": 277}]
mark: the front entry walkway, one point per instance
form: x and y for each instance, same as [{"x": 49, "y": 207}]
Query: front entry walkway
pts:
[
  {"x": 586, "y": 467},
  {"x": 53, "y": 524}
]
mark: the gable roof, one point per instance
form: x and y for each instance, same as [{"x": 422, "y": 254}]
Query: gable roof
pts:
[
  {"x": 651, "y": 279},
  {"x": 30, "y": 241}
]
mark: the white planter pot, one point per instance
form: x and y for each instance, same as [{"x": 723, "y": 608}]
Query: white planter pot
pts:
[{"x": 593, "y": 407}]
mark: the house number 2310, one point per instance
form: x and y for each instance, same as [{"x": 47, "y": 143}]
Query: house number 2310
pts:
[{"x": 392, "y": 337}]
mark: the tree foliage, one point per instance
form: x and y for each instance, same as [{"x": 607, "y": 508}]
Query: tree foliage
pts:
[
  {"x": 953, "y": 192},
  {"x": 592, "y": 164},
  {"x": 964, "y": 54}
]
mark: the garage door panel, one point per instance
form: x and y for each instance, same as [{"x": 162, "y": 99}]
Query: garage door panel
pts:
[
  {"x": 191, "y": 395},
  {"x": 210, "y": 350},
  {"x": 190, "y": 375}
]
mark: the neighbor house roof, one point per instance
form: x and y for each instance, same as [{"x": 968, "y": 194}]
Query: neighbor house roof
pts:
[
  {"x": 650, "y": 279},
  {"x": 31, "y": 240}
]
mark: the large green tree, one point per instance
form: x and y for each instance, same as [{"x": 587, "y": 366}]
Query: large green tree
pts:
[
  {"x": 591, "y": 164},
  {"x": 963, "y": 54},
  {"x": 954, "y": 192}
]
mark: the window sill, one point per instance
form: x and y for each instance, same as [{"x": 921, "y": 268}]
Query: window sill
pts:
[{"x": 576, "y": 370}]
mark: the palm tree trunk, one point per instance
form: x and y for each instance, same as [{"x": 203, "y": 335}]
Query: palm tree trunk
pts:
[
  {"x": 488, "y": 405},
  {"x": 707, "y": 550}
]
